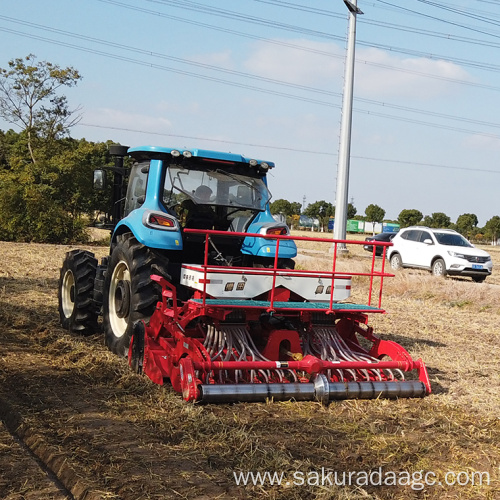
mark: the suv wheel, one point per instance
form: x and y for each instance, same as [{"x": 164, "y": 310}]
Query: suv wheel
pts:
[
  {"x": 396, "y": 262},
  {"x": 439, "y": 268}
]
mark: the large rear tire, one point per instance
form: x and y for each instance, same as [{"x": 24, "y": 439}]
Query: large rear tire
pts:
[
  {"x": 77, "y": 310},
  {"x": 129, "y": 293}
]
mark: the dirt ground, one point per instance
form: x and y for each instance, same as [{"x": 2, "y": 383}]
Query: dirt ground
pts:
[{"x": 77, "y": 423}]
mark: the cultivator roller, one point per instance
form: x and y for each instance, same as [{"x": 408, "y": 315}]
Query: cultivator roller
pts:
[{"x": 279, "y": 345}]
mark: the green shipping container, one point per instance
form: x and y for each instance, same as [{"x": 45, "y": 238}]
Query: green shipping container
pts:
[{"x": 355, "y": 226}]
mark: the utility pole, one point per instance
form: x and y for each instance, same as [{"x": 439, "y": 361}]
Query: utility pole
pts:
[{"x": 339, "y": 230}]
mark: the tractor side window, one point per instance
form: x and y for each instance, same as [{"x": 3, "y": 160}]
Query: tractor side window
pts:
[{"x": 137, "y": 183}]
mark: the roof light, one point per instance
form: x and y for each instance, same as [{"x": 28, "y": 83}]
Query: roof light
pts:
[
  {"x": 175, "y": 153},
  {"x": 253, "y": 163},
  {"x": 187, "y": 154},
  {"x": 264, "y": 165}
]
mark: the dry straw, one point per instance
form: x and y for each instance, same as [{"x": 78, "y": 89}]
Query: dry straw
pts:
[{"x": 136, "y": 440}]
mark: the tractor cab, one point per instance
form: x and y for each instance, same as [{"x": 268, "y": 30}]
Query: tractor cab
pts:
[
  {"x": 170, "y": 191},
  {"x": 221, "y": 197}
]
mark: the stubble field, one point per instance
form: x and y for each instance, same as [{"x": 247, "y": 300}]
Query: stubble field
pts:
[{"x": 76, "y": 423}]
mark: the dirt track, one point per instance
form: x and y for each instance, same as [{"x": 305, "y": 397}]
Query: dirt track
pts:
[
  {"x": 23, "y": 474},
  {"x": 108, "y": 433}
]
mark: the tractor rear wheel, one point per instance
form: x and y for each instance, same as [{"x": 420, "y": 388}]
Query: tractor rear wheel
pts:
[
  {"x": 129, "y": 293},
  {"x": 77, "y": 310}
]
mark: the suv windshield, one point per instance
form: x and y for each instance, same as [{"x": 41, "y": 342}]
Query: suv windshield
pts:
[
  {"x": 215, "y": 187},
  {"x": 456, "y": 240}
]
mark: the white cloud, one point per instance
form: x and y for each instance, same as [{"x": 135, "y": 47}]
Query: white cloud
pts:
[
  {"x": 294, "y": 65},
  {"x": 374, "y": 76},
  {"x": 483, "y": 142},
  {"x": 223, "y": 59}
]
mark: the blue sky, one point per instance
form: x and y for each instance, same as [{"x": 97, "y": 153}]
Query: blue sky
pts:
[{"x": 265, "y": 77}]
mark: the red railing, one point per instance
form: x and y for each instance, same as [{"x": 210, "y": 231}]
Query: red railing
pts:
[{"x": 275, "y": 271}]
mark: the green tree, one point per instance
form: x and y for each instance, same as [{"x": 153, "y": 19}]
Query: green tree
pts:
[
  {"x": 409, "y": 217},
  {"x": 29, "y": 100},
  {"x": 374, "y": 214},
  {"x": 351, "y": 211},
  {"x": 285, "y": 207},
  {"x": 492, "y": 228},
  {"x": 466, "y": 224},
  {"x": 437, "y": 219},
  {"x": 50, "y": 201},
  {"x": 321, "y": 210}
]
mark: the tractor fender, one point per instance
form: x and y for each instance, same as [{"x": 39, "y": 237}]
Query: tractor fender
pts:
[
  {"x": 263, "y": 247},
  {"x": 147, "y": 236}
]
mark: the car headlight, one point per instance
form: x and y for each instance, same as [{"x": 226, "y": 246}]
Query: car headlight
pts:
[{"x": 455, "y": 254}]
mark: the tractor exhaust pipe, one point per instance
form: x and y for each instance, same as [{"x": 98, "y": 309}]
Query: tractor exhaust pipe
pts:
[{"x": 320, "y": 390}]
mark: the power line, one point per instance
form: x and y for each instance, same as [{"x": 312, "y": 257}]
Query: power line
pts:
[
  {"x": 294, "y": 6},
  {"x": 428, "y": 16},
  {"x": 246, "y": 75},
  {"x": 234, "y": 15},
  {"x": 461, "y": 12},
  {"x": 330, "y": 36},
  {"x": 170, "y": 69},
  {"x": 464, "y": 62},
  {"x": 284, "y": 148}
]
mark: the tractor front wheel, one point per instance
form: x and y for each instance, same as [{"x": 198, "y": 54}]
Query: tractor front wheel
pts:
[
  {"x": 129, "y": 293},
  {"x": 77, "y": 310}
]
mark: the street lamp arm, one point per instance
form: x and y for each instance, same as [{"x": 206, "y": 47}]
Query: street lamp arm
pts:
[{"x": 353, "y": 8}]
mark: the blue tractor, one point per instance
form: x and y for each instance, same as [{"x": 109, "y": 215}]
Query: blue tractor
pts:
[{"x": 163, "y": 193}]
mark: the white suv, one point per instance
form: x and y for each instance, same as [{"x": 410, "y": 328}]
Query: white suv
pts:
[{"x": 442, "y": 251}]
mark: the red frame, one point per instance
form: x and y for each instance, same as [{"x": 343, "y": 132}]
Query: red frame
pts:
[
  {"x": 275, "y": 270},
  {"x": 174, "y": 349}
]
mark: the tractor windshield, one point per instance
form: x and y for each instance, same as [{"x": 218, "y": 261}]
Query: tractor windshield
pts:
[{"x": 215, "y": 187}]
